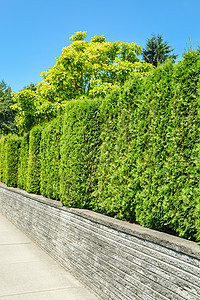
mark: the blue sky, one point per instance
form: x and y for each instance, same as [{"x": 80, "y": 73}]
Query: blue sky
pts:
[{"x": 33, "y": 33}]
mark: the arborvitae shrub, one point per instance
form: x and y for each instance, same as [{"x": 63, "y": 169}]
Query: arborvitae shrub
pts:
[
  {"x": 153, "y": 157},
  {"x": 3, "y": 159},
  {"x": 13, "y": 144},
  {"x": 148, "y": 167},
  {"x": 182, "y": 208},
  {"x": 79, "y": 152},
  {"x": 120, "y": 134},
  {"x": 174, "y": 184},
  {"x": 50, "y": 159},
  {"x": 33, "y": 179},
  {"x": 23, "y": 163}
]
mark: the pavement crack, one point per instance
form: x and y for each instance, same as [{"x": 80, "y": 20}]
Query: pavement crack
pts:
[
  {"x": 14, "y": 244},
  {"x": 39, "y": 291}
]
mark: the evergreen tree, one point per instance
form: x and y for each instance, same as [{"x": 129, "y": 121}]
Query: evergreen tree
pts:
[
  {"x": 7, "y": 115},
  {"x": 31, "y": 86},
  {"x": 157, "y": 51}
]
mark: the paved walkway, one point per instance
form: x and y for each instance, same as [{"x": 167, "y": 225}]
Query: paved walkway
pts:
[{"x": 27, "y": 272}]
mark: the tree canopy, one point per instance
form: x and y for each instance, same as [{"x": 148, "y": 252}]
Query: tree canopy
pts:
[
  {"x": 7, "y": 115},
  {"x": 83, "y": 69},
  {"x": 157, "y": 51},
  {"x": 91, "y": 68}
]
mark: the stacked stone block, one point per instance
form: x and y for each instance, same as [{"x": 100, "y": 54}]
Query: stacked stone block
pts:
[{"x": 115, "y": 259}]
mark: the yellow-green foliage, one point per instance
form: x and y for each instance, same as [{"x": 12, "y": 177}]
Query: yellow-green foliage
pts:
[
  {"x": 25, "y": 107},
  {"x": 83, "y": 69},
  {"x": 90, "y": 68}
]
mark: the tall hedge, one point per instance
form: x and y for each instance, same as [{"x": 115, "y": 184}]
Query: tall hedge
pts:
[
  {"x": 33, "y": 178},
  {"x": 169, "y": 172},
  {"x": 149, "y": 167},
  {"x": 13, "y": 143},
  {"x": 3, "y": 160},
  {"x": 23, "y": 163},
  {"x": 50, "y": 159},
  {"x": 121, "y": 143},
  {"x": 79, "y": 153},
  {"x": 167, "y": 199}
]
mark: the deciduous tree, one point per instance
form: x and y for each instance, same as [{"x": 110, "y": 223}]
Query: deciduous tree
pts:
[
  {"x": 91, "y": 68},
  {"x": 83, "y": 69}
]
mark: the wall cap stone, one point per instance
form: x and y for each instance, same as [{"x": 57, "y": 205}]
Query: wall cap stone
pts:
[{"x": 169, "y": 241}]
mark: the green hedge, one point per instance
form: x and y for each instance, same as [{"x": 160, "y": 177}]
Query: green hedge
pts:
[
  {"x": 116, "y": 170},
  {"x": 50, "y": 162},
  {"x": 149, "y": 167},
  {"x": 79, "y": 152},
  {"x": 33, "y": 171},
  {"x": 23, "y": 163},
  {"x": 133, "y": 155},
  {"x": 13, "y": 144},
  {"x": 3, "y": 160}
]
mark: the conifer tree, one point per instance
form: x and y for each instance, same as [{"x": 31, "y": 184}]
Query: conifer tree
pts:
[
  {"x": 7, "y": 115},
  {"x": 157, "y": 51}
]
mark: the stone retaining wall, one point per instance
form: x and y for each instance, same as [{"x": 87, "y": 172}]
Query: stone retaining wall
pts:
[{"x": 115, "y": 259}]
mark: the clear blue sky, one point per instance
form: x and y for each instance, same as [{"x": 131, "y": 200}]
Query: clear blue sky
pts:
[{"x": 33, "y": 33}]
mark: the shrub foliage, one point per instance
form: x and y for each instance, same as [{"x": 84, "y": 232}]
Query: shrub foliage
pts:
[
  {"x": 23, "y": 162},
  {"x": 33, "y": 171},
  {"x": 79, "y": 151},
  {"x": 50, "y": 162},
  {"x": 13, "y": 143}
]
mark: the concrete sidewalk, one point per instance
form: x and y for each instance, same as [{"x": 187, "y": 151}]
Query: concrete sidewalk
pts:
[{"x": 27, "y": 272}]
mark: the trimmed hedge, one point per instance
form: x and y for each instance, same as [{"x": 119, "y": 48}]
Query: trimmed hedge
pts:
[
  {"x": 23, "y": 163},
  {"x": 79, "y": 153},
  {"x": 50, "y": 162},
  {"x": 33, "y": 172},
  {"x": 121, "y": 133},
  {"x": 12, "y": 152},
  {"x": 133, "y": 155},
  {"x": 3, "y": 161},
  {"x": 149, "y": 166}
]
